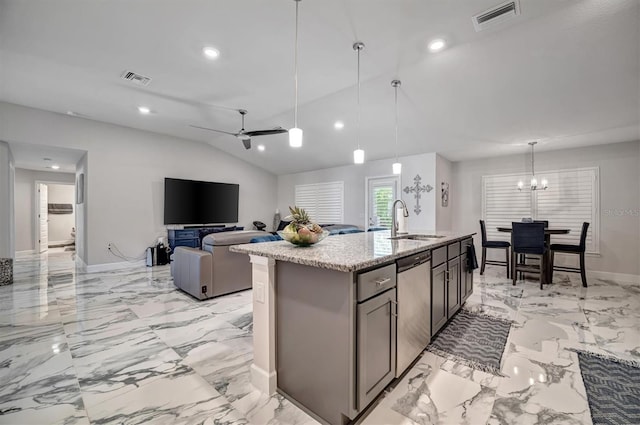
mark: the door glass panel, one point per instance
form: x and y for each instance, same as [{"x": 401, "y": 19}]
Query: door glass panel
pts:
[{"x": 382, "y": 193}]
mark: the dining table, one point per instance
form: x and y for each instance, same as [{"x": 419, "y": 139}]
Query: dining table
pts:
[{"x": 548, "y": 273}]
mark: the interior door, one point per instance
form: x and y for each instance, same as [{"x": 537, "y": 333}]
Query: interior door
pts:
[
  {"x": 381, "y": 192},
  {"x": 43, "y": 217}
]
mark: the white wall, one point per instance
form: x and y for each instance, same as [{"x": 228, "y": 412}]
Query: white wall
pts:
[
  {"x": 619, "y": 196},
  {"x": 25, "y": 194},
  {"x": 82, "y": 241},
  {"x": 444, "y": 216},
  {"x": 125, "y": 171},
  {"x": 7, "y": 231},
  {"x": 61, "y": 225},
  {"x": 355, "y": 188}
]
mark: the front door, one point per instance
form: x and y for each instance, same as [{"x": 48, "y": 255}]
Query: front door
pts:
[
  {"x": 381, "y": 192},
  {"x": 43, "y": 217}
]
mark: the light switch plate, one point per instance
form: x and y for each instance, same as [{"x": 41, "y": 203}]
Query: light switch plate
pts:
[{"x": 259, "y": 292}]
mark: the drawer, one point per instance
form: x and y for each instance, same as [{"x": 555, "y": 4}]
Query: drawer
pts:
[
  {"x": 186, "y": 233},
  {"x": 438, "y": 256},
  {"x": 376, "y": 281},
  {"x": 465, "y": 243},
  {"x": 453, "y": 250},
  {"x": 193, "y": 243}
]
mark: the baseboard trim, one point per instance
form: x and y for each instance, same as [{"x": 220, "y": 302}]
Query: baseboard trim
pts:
[
  {"x": 618, "y": 277},
  {"x": 95, "y": 268},
  {"x": 81, "y": 266},
  {"x": 59, "y": 244},
  {"x": 25, "y": 252}
]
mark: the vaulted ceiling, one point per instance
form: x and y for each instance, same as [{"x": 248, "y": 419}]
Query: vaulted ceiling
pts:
[{"x": 566, "y": 73}]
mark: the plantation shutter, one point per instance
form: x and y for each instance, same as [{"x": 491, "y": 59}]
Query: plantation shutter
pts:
[
  {"x": 570, "y": 200},
  {"x": 503, "y": 204},
  {"x": 324, "y": 202}
]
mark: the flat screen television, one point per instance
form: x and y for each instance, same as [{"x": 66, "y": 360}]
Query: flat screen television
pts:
[{"x": 198, "y": 202}]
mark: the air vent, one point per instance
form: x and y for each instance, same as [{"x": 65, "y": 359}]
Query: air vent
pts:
[
  {"x": 135, "y": 78},
  {"x": 496, "y": 15}
]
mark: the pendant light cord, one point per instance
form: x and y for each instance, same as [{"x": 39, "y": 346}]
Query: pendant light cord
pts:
[
  {"x": 533, "y": 170},
  {"x": 396, "y": 96},
  {"x": 358, "y": 118},
  {"x": 295, "y": 74}
]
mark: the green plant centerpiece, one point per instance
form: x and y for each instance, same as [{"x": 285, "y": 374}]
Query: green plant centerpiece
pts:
[{"x": 302, "y": 231}]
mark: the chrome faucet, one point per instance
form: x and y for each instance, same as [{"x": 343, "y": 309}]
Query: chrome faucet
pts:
[{"x": 394, "y": 224}]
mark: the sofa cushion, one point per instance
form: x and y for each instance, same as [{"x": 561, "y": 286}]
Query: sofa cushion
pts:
[
  {"x": 283, "y": 224},
  {"x": 230, "y": 238},
  {"x": 338, "y": 227},
  {"x": 266, "y": 238}
]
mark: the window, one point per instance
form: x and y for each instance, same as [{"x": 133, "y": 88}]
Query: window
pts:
[
  {"x": 324, "y": 202},
  {"x": 571, "y": 199},
  {"x": 381, "y": 192}
]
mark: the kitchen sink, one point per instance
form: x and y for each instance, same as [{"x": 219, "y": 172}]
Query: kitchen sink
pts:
[{"x": 417, "y": 237}]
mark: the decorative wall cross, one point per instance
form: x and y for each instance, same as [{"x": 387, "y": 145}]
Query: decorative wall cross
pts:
[{"x": 417, "y": 189}]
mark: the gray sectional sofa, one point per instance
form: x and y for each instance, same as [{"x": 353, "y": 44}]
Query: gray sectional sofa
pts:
[{"x": 213, "y": 270}]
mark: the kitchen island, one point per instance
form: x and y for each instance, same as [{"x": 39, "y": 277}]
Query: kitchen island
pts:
[{"x": 335, "y": 323}]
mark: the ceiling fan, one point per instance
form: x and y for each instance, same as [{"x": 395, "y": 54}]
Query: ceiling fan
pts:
[{"x": 243, "y": 135}]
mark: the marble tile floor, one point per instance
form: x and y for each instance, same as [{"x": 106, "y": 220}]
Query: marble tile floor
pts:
[{"x": 125, "y": 347}]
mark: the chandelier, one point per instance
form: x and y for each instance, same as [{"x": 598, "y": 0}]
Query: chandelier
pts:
[{"x": 534, "y": 181}]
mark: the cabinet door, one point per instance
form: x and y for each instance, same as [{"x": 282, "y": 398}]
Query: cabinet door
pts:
[
  {"x": 466, "y": 278},
  {"x": 469, "y": 283},
  {"x": 438, "y": 297},
  {"x": 453, "y": 287},
  {"x": 376, "y": 346}
]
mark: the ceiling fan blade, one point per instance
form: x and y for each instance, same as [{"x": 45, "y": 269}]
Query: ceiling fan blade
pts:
[
  {"x": 277, "y": 130},
  {"x": 213, "y": 129},
  {"x": 247, "y": 143}
]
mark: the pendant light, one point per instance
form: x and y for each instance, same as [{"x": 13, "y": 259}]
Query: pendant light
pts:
[
  {"x": 534, "y": 180},
  {"x": 397, "y": 166},
  {"x": 358, "y": 154},
  {"x": 295, "y": 134}
]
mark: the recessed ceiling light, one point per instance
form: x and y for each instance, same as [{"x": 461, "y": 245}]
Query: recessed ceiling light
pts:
[
  {"x": 338, "y": 125},
  {"x": 261, "y": 148},
  {"x": 55, "y": 167},
  {"x": 437, "y": 45},
  {"x": 144, "y": 110},
  {"x": 210, "y": 52},
  {"x": 73, "y": 114}
]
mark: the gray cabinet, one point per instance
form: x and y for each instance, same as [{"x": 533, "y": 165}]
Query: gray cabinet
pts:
[
  {"x": 438, "y": 297},
  {"x": 466, "y": 278},
  {"x": 450, "y": 283},
  {"x": 466, "y": 274},
  {"x": 376, "y": 346},
  {"x": 453, "y": 286}
]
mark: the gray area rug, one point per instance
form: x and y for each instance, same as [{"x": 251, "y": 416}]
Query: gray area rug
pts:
[
  {"x": 613, "y": 388},
  {"x": 476, "y": 340}
]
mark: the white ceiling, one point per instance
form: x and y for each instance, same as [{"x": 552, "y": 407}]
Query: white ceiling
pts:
[
  {"x": 566, "y": 73},
  {"x": 41, "y": 158}
]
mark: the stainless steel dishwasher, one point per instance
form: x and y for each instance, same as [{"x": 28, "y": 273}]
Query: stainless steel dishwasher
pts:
[{"x": 413, "y": 309}]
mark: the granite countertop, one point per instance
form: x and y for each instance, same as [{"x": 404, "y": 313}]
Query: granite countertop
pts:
[{"x": 351, "y": 252}]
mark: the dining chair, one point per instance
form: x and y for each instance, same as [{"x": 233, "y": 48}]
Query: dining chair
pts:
[
  {"x": 573, "y": 249},
  {"x": 524, "y": 258},
  {"x": 528, "y": 239},
  {"x": 492, "y": 245}
]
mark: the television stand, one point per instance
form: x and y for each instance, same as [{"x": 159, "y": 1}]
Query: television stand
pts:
[{"x": 190, "y": 236}]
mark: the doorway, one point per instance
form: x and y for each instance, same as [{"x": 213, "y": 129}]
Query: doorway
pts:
[
  {"x": 381, "y": 192},
  {"x": 55, "y": 216}
]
